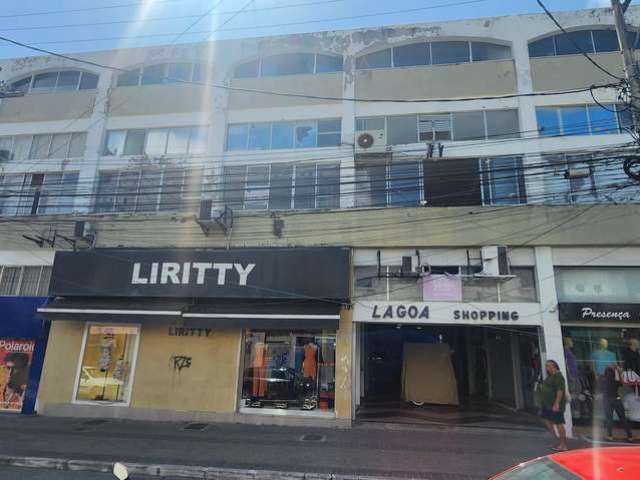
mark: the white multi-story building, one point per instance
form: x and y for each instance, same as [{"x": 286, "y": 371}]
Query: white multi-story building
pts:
[{"x": 481, "y": 132}]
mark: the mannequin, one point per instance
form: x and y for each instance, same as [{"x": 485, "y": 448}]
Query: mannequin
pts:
[
  {"x": 259, "y": 370},
  {"x": 310, "y": 363},
  {"x": 602, "y": 357},
  {"x": 631, "y": 355},
  {"x": 572, "y": 364}
]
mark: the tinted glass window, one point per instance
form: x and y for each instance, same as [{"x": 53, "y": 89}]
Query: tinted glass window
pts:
[
  {"x": 328, "y": 63},
  {"x": 179, "y": 72},
  {"x": 503, "y": 179},
  {"x": 77, "y": 145},
  {"x": 381, "y": 59},
  {"x": 411, "y": 55},
  {"x": 115, "y": 142},
  {"x": 60, "y": 145},
  {"x": 602, "y": 121},
  {"x": 280, "y": 192},
  {"x": 402, "y": 129},
  {"x": 282, "y": 135},
  {"x": 247, "y": 70},
  {"x": 89, "y": 81},
  {"x": 156, "y": 141},
  {"x": 566, "y": 44},
  {"x": 502, "y": 124},
  {"x": 305, "y": 186},
  {"x": 134, "y": 143},
  {"x": 542, "y": 48},
  {"x": 40, "y": 146},
  {"x": 237, "y": 137},
  {"x": 449, "y": 52},
  {"x": 306, "y": 134},
  {"x": 404, "y": 184},
  {"x": 129, "y": 78},
  {"x": 468, "y": 126},
  {"x": 328, "y": 194},
  {"x": 329, "y": 133},
  {"x": 288, "y": 64},
  {"x": 45, "y": 81},
  {"x": 548, "y": 122},
  {"x": 371, "y": 186},
  {"x": 68, "y": 80},
  {"x": 259, "y": 136},
  {"x": 574, "y": 121},
  {"x": 489, "y": 51},
  {"x": 22, "y": 85},
  {"x": 625, "y": 118},
  {"x": 605, "y": 40},
  {"x": 153, "y": 74}
]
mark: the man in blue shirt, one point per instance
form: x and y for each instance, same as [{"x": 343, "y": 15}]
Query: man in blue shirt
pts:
[{"x": 602, "y": 357}]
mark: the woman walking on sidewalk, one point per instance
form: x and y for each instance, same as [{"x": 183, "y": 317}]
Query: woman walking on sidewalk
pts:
[
  {"x": 554, "y": 400},
  {"x": 612, "y": 402}
]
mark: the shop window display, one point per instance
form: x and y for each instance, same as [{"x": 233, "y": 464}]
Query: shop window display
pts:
[
  {"x": 289, "y": 370},
  {"x": 588, "y": 354},
  {"x": 105, "y": 372}
]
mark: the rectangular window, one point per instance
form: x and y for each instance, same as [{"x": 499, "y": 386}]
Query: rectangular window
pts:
[
  {"x": 127, "y": 191},
  {"x": 380, "y": 59},
  {"x": 153, "y": 74},
  {"x": 468, "y": 126},
  {"x": 10, "y": 280},
  {"x": 257, "y": 188},
  {"x": 114, "y": 145},
  {"x": 306, "y": 134},
  {"x": 503, "y": 181},
  {"x": 177, "y": 72},
  {"x": 602, "y": 121},
  {"x": 40, "y": 147},
  {"x": 58, "y": 193},
  {"x": 30, "y": 280},
  {"x": 371, "y": 185},
  {"x": 171, "y": 189},
  {"x": 502, "y": 124},
  {"x": 482, "y": 51},
  {"x": 328, "y": 63},
  {"x": 237, "y": 136},
  {"x": 247, "y": 70},
  {"x": 234, "y": 179},
  {"x": 149, "y": 190},
  {"x": 574, "y": 120},
  {"x": 402, "y": 129},
  {"x": 178, "y": 142},
  {"x": 292, "y": 369},
  {"x": 128, "y": 79},
  {"x": 156, "y": 141},
  {"x": 108, "y": 361},
  {"x": 88, "y": 81},
  {"x": 77, "y": 145},
  {"x": 68, "y": 80},
  {"x": 45, "y": 81},
  {"x": 259, "y": 136},
  {"x": 6, "y": 149},
  {"x": 434, "y": 127},
  {"x": 134, "y": 142},
  {"x": 282, "y": 135},
  {"x": 574, "y": 42},
  {"x": 548, "y": 121},
  {"x": 60, "y": 145},
  {"x": 542, "y": 48},
  {"x": 288, "y": 64},
  {"x": 404, "y": 184},
  {"x": 329, "y": 133},
  {"x": 281, "y": 187},
  {"x": 452, "y": 183},
  {"x": 105, "y": 193},
  {"x": 411, "y": 55},
  {"x": 450, "y": 52},
  {"x": 328, "y": 193},
  {"x": 198, "y": 140},
  {"x": 605, "y": 40},
  {"x": 305, "y": 190},
  {"x": 371, "y": 123}
]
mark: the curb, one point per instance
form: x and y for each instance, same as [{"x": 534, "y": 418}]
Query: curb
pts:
[{"x": 179, "y": 471}]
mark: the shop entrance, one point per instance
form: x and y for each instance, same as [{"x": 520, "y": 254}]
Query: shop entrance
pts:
[{"x": 448, "y": 374}]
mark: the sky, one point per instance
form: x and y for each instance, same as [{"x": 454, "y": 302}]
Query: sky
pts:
[{"x": 53, "y": 25}]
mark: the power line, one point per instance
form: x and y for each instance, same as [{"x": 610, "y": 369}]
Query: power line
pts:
[
  {"x": 87, "y": 9},
  {"x": 228, "y": 20},
  {"x": 196, "y": 21},
  {"x": 575, "y": 44}
]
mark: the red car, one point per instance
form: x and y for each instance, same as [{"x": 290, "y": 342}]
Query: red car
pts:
[{"x": 614, "y": 463}]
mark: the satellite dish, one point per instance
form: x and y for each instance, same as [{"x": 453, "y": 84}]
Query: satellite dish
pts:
[{"x": 365, "y": 140}]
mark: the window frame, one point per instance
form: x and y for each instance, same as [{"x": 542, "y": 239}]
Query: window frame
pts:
[
  {"x": 487, "y": 181},
  {"x": 125, "y": 131},
  {"x": 17, "y": 290},
  {"x": 589, "y": 126},
  {"x": 387, "y": 184},
  {"x": 132, "y": 370},
  {"x": 260, "y": 74},
  {"x": 196, "y": 68},
  {"x": 593, "y": 50},
  {"x": 55, "y": 89},
  {"x": 296, "y": 123}
]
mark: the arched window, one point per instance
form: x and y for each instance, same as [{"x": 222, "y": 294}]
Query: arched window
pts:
[
  {"x": 433, "y": 53},
  {"x": 56, "y": 81},
  {"x": 578, "y": 41},
  {"x": 289, "y": 64},
  {"x": 174, "y": 72}
]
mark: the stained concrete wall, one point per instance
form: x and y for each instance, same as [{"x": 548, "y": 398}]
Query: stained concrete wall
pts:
[
  {"x": 323, "y": 85},
  {"x": 573, "y": 71},
  {"x": 43, "y": 107},
  {"x": 344, "y": 355},
  {"x": 438, "y": 81},
  {"x": 159, "y": 99}
]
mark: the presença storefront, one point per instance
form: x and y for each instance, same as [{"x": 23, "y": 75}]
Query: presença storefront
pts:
[
  {"x": 599, "y": 310},
  {"x": 247, "y": 335}
]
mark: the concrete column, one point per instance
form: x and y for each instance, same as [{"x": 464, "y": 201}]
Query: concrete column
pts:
[
  {"x": 552, "y": 349},
  {"x": 344, "y": 354},
  {"x": 89, "y": 166},
  {"x": 347, "y": 165}
]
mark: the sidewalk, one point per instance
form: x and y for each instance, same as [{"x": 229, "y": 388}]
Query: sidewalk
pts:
[{"x": 376, "y": 450}]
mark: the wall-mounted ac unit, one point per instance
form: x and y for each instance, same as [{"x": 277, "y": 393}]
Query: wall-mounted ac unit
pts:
[
  {"x": 370, "y": 139},
  {"x": 495, "y": 262},
  {"x": 5, "y": 155}
]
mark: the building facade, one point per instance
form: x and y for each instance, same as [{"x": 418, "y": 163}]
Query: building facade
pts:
[{"x": 422, "y": 148}]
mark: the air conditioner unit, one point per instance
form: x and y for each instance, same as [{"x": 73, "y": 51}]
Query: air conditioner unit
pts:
[
  {"x": 495, "y": 262},
  {"x": 410, "y": 266},
  {"x": 5, "y": 155},
  {"x": 371, "y": 138}
]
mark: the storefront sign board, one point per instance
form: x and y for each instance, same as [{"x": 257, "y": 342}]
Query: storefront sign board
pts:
[{"x": 599, "y": 312}]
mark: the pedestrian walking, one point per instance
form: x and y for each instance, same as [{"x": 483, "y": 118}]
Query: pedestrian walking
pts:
[
  {"x": 611, "y": 402},
  {"x": 553, "y": 399}
]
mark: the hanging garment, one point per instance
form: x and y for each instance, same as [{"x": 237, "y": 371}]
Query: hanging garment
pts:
[
  {"x": 310, "y": 364},
  {"x": 427, "y": 374},
  {"x": 259, "y": 371}
]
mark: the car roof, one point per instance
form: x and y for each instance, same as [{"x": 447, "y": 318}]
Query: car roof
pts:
[{"x": 615, "y": 463}]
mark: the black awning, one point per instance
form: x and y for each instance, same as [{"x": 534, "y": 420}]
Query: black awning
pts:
[
  {"x": 112, "y": 310},
  {"x": 267, "y": 315}
]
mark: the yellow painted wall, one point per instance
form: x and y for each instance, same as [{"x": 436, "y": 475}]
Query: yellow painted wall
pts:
[
  {"x": 60, "y": 363},
  {"x": 159, "y": 99},
  {"x": 573, "y": 71},
  {"x": 42, "y": 107},
  {"x": 344, "y": 345},
  {"x": 210, "y": 384}
]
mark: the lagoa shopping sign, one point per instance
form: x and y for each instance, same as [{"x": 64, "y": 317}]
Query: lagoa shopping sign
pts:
[{"x": 400, "y": 312}]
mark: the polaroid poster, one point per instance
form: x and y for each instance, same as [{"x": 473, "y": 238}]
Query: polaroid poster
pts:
[{"x": 15, "y": 361}]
